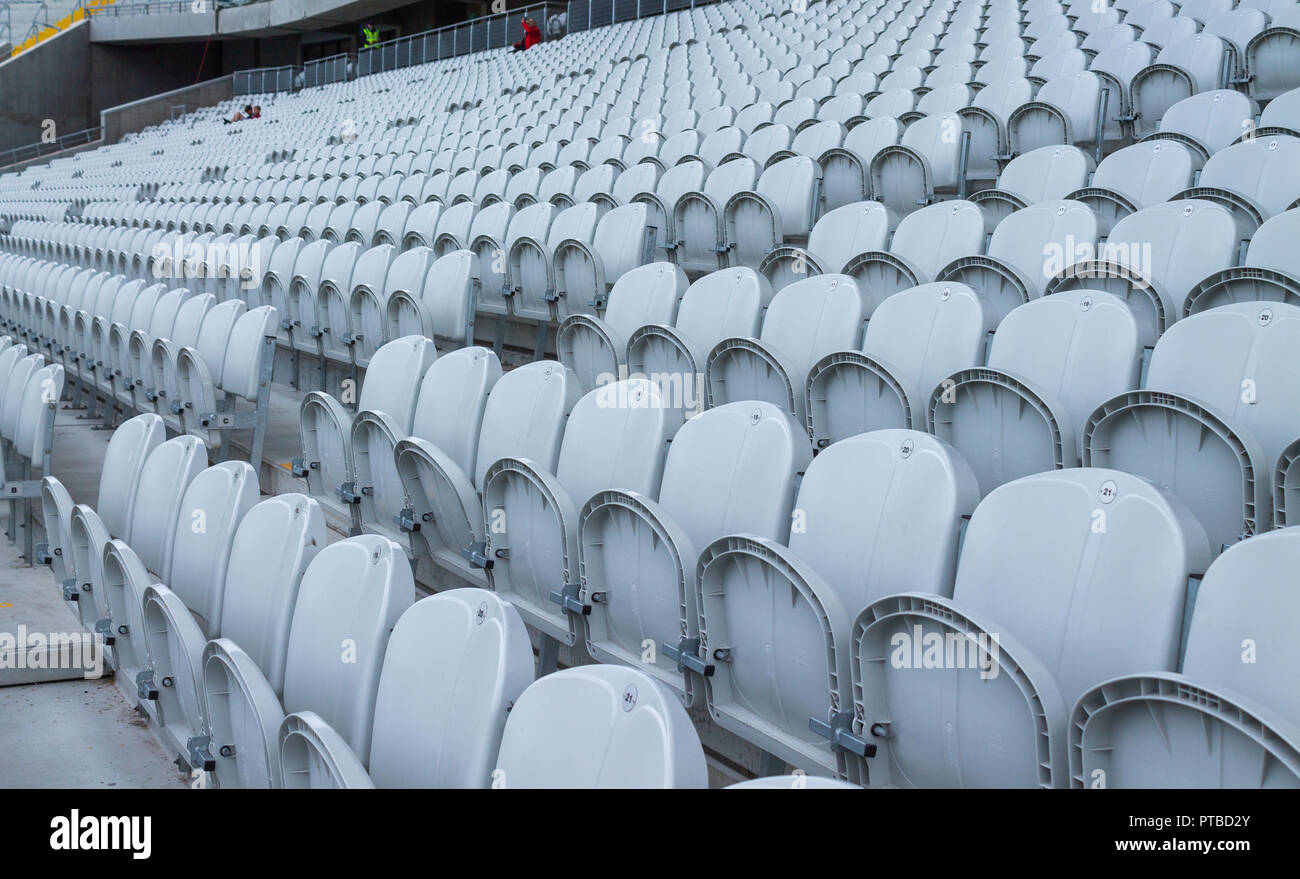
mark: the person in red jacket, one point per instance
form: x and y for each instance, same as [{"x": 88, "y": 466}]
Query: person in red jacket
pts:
[{"x": 532, "y": 35}]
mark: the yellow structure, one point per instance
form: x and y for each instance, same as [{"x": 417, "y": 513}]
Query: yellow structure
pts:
[{"x": 87, "y": 9}]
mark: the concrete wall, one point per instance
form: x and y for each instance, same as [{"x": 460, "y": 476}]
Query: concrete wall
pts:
[
  {"x": 48, "y": 82},
  {"x": 137, "y": 115}
]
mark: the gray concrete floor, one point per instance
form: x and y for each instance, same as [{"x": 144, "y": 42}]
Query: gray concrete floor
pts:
[{"x": 66, "y": 733}]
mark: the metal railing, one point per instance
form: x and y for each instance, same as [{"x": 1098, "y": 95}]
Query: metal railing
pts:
[
  {"x": 158, "y": 7},
  {"x": 476, "y": 35},
  {"x": 264, "y": 80},
  {"x": 36, "y": 150},
  {"x": 322, "y": 71},
  {"x": 587, "y": 14}
]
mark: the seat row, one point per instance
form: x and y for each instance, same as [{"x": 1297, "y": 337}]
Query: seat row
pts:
[{"x": 271, "y": 659}]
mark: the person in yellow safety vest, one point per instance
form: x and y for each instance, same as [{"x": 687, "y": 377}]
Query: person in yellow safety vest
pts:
[{"x": 371, "y": 35}]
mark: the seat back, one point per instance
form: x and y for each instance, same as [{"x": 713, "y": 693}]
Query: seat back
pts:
[
  {"x": 525, "y": 416},
  {"x": 599, "y": 726},
  {"x": 349, "y": 600},
  {"x": 445, "y": 730},
  {"x": 274, "y": 543},
  {"x": 214, "y": 504},
  {"x": 166, "y": 475},
  {"x": 128, "y": 449}
]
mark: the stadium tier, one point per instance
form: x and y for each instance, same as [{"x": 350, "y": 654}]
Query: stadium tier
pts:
[{"x": 906, "y": 392}]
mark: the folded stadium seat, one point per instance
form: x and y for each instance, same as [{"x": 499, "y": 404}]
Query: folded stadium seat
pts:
[
  {"x": 364, "y": 223},
  {"x": 448, "y": 414},
  {"x": 29, "y": 405},
  {"x": 1236, "y": 27},
  {"x": 231, "y": 362},
  {"x": 140, "y": 557},
  {"x": 88, "y": 353},
  {"x": 1154, "y": 258},
  {"x": 356, "y": 319},
  {"x": 322, "y": 280},
  {"x": 172, "y": 640},
  {"x": 779, "y": 210},
  {"x": 340, "y": 221},
  {"x": 122, "y": 369},
  {"x": 846, "y": 168},
  {"x": 491, "y": 187},
  {"x": 914, "y": 340},
  {"x": 1286, "y": 486},
  {"x": 558, "y": 186},
  {"x": 128, "y": 449},
  {"x": 925, "y": 241},
  {"x": 749, "y": 589},
  {"x": 351, "y": 593},
  {"x": 730, "y": 470},
  {"x": 839, "y": 235},
  {"x": 172, "y": 360},
  {"x": 1136, "y": 177},
  {"x": 1047, "y": 173},
  {"x": 1028, "y": 249},
  {"x": 1116, "y": 65},
  {"x": 273, "y": 544},
  {"x": 797, "y": 780},
  {"x": 1255, "y": 180},
  {"x": 313, "y": 756},
  {"x": 1066, "y": 110},
  {"x": 564, "y": 720},
  {"x": 316, "y": 263},
  {"x": 893, "y": 104},
  {"x": 805, "y": 321},
  {"x": 426, "y": 733},
  {"x": 408, "y": 190},
  {"x": 55, "y": 550},
  {"x": 1168, "y": 30},
  {"x": 1270, "y": 54},
  {"x": 585, "y": 268},
  {"x": 277, "y": 221},
  {"x": 594, "y": 182},
  {"x": 1280, "y": 116},
  {"x": 1224, "y": 721},
  {"x": 1012, "y": 652},
  {"x": 614, "y": 440},
  {"x": 1271, "y": 271},
  {"x": 315, "y": 221},
  {"x": 117, "y": 312},
  {"x": 1217, "y": 409},
  {"x": 1183, "y": 68},
  {"x": 724, "y": 304},
  {"x": 595, "y": 348},
  {"x": 423, "y": 221},
  {"x": 488, "y": 238},
  {"x": 686, "y": 176},
  {"x": 925, "y": 163},
  {"x": 392, "y": 224},
  {"x": 1051, "y": 363},
  {"x": 391, "y": 386},
  {"x": 699, "y": 220},
  {"x": 277, "y": 281},
  {"x": 945, "y": 98},
  {"x": 524, "y": 418},
  {"x": 453, "y": 230},
  {"x": 641, "y": 177}
]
